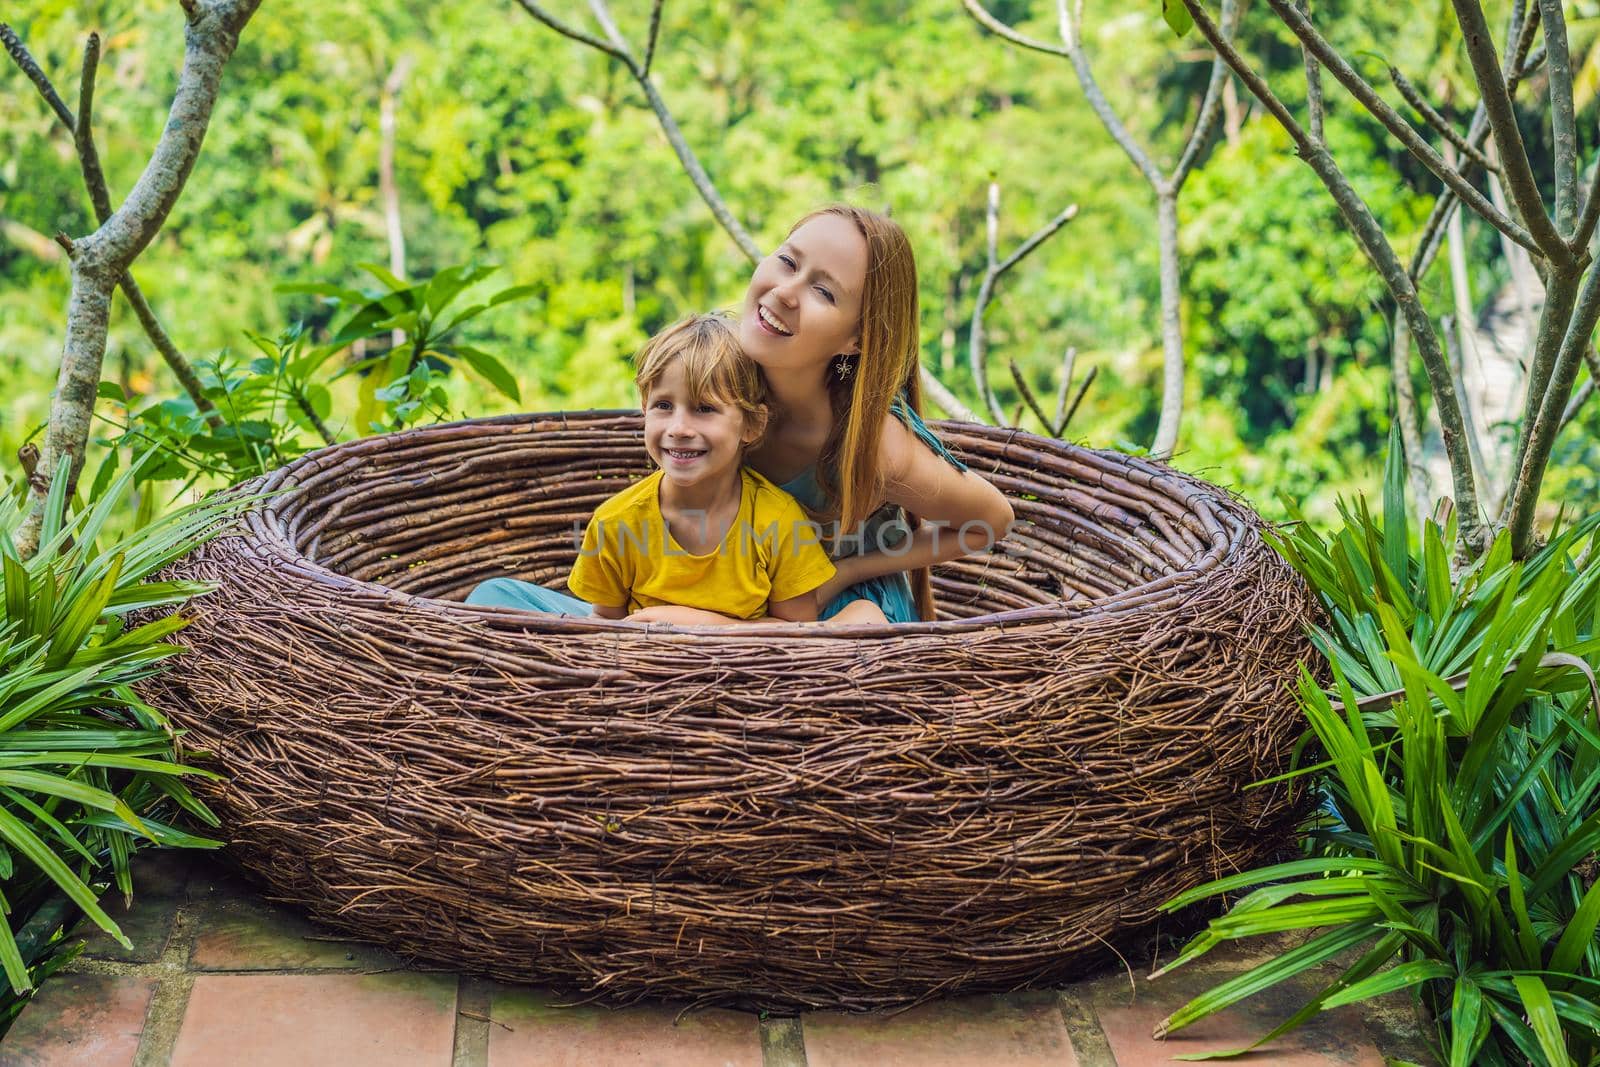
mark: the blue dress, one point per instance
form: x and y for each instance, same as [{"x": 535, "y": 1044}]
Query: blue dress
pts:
[{"x": 883, "y": 531}]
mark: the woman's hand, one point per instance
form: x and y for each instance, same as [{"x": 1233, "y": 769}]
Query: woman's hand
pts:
[{"x": 847, "y": 572}]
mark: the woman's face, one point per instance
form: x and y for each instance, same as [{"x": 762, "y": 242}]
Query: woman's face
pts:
[{"x": 803, "y": 306}]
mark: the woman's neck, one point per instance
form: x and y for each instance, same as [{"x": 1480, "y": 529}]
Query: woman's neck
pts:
[{"x": 802, "y": 399}]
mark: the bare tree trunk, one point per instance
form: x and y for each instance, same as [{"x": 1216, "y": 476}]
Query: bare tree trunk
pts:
[
  {"x": 100, "y": 259},
  {"x": 387, "y": 189},
  {"x": 1232, "y": 114},
  {"x": 1464, "y": 321},
  {"x": 1406, "y": 412},
  {"x": 82, "y": 130},
  {"x": 1171, "y": 325}
]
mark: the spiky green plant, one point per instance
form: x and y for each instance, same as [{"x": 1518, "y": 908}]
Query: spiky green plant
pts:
[
  {"x": 86, "y": 767},
  {"x": 1462, "y": 755}
]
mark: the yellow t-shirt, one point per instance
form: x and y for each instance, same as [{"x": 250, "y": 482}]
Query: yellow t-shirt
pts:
[{"x": 770, "y": 552}]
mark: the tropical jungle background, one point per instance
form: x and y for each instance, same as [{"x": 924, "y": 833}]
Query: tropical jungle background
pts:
[
  {"x": 518, "y": 148},
  {"x": 406, "y": 213}
]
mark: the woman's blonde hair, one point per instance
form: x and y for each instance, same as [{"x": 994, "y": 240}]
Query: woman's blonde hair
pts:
[
  {"x": 714, "y": 365},
  {"x": 888, "y": 365}
]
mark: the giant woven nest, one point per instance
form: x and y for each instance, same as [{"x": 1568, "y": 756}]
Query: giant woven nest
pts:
[{"x": 774, "y": 816}]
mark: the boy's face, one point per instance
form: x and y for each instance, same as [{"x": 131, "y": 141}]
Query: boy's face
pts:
[{"x": 694, "y": 444}]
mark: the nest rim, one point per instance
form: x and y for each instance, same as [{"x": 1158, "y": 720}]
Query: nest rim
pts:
[{"x": 265, "y": 522}]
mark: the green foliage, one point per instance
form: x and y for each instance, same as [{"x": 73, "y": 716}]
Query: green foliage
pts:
[
  {"x": 1462, "y": 754},
  {"x": 1177, "y": 16},
  {"x": 271, "y": 408},
  {"x": 86, "y": 768},
  {"x": 403, "y": 379}
]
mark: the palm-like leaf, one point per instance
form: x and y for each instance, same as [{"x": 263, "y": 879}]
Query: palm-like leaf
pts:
[
  {"x": 1460, "y": 748},
  {"x": 83, "y": 763}
]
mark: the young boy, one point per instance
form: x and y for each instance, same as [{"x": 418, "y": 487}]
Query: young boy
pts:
[{"x": 704, "y": 540}]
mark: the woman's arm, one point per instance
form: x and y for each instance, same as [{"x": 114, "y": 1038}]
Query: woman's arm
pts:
[{"x": 961, "y": 512}]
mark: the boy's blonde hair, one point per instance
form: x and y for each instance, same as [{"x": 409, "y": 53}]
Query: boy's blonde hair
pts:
[{"x": 713, "y": 363}]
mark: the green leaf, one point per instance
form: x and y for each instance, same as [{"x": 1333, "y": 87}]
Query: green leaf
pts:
[
  {"x": 448, "y": 284},
  {"x": 1278, "y": 873},
  {"x": 1369, "y": 962},
  {"x": 1579, "y": 934},
  {"x": 1527, "y": 941},
  {"x": 11, "y": 957},
  {"x": 491, "y": 370},
  {"x": 1264, "y": 976},
  {"x": 1402, "y": 976},
  {"x": 1177, "y": 16},
  {"x": 515, "y": 292},
  {"x": 384, "y": 275},
  {"x": 1542, "y": 1017},
  {"x": 27, "y": 843},
  {"x": 1467, "y": 1019}
]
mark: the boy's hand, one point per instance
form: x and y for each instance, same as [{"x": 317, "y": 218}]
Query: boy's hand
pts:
[{"x": 680, "y": 616}]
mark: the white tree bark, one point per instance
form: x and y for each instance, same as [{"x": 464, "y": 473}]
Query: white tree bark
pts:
[{"x": 100, "y": 259}]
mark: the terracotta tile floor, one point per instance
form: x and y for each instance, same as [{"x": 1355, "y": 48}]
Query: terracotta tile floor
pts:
[{"x": 218, "y": 977}]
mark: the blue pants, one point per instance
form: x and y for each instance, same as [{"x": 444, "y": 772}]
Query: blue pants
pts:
[
  {"x": 511, "y": 593},
  {"x": 892, "y": 593}
]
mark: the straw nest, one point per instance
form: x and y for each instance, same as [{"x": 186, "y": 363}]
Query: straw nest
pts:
[{"x": 774, "y": 817}]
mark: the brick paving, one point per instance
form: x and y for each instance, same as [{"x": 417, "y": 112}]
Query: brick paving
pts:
[{"x": 217, "y": 976}]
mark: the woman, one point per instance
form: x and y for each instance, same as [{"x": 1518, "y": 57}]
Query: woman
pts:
[{"x": 831, "y": 319}]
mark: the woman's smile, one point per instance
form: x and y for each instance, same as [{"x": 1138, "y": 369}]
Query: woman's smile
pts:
[{"x": 770, "y": 322}]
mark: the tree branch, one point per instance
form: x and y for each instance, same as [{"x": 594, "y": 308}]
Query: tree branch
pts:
[
  {"x": 1210, "y": 105},
  {"x": 94, "y": 181},
  {"x": 650, "y": 40},
  {"x": 1000, "y": 29},
  {"x": 1563, "y": 129},
  {"x": 618, "y": 49},
  {"x": 581, "y": 36},
  {"x": 1441, "y": 125},
  {"x": 946, "y": 400},
  {"x": 20, "y": 56},
  {"x": 1069, "y": 361},
  {"x": 1314, "y": 105},
  {"x": 1170, "y": 420},
  {"x": 996, "y": 269},
  {"x": 1098, "y": 103},
  {"x": 1518, "y": 65},
  {"x": 1516, "y": 169},
  {"x": 1405, "y": 399},
  {"x": 83, "y": 131},
  {"x": 1552, "y": 407},
  {"x": 1585, "y": 391},
  {"x": 1028, "y": 398},
  {"x": 1548, "y": 242},
  {"x": 1370, "y": 236},
  {"x": 1077, "y": 398},
  {"x": 602, "y": 15}
]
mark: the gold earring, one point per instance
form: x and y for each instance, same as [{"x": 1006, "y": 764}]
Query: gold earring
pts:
[{"x": 843, "y": 368}]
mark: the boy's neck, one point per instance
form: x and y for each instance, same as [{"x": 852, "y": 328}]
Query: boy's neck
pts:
[{"x": 709, "y": 496}]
